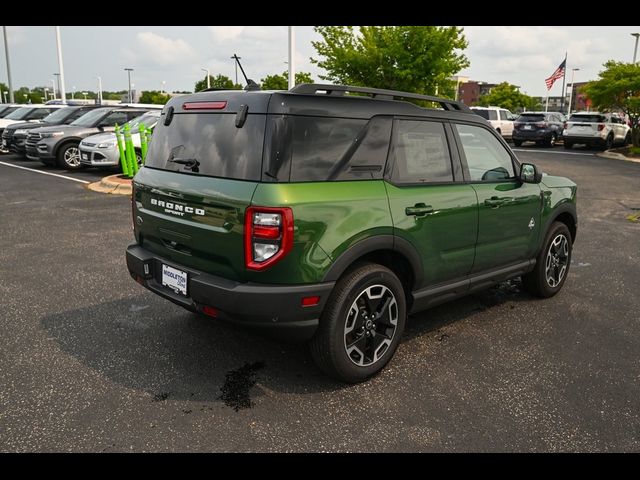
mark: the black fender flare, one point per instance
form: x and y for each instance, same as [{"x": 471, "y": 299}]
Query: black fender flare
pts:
[
  {"x": 566, "y": 207},
  {"x": 372, "y": 244}
]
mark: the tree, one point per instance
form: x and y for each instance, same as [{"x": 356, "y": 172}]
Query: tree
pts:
[
  {"x": 4, "y": 98},
  {"x": 417, "y": 59},
  {"x": 508, "y": 96},
  {"x": 154, "y": 97},
  {"x": 281, "y": 82},
  {"x": 221, "y": 81},
  {"x": 618, "y": 88}
]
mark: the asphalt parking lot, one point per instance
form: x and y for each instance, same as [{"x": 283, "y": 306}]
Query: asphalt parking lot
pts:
[{"x": 90, "y": 361}]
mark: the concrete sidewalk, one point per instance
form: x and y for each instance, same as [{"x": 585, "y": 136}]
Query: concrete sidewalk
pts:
[
  {"x": 113, "y": 184},
  {"x": 616, "y": 156}
]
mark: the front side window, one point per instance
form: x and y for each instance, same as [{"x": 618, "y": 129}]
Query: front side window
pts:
[
  {"x": 420, "y": 153},
  {"x": 487, "y": 158}
]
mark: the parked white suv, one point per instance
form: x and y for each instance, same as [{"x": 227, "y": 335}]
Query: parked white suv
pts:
[
  {"x": 604, "y": 130},
  {"x": 500, "y": 118}
]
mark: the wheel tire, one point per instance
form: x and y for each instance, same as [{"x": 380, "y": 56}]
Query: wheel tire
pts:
[
  {"x": 517, "y": 143},
  {"x": 552, "y": 141},
  {"x": 608, "y": 143},
  {"x": 627, "y": 139},
  {"x": 568, "y": 145},
  {"x": 537, "y": 282},
  {"x": 329, "y": 345},
  {"x": 68, "y": 157}
]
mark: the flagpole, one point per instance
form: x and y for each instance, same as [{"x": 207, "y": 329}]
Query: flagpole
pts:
[
  {"x": 546, "y": 107},
  {"x": 564, "y": 77}
]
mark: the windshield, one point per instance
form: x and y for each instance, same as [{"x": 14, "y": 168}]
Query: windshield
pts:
[
  {"x": 531, "y": 117},
  {"x": 58, "y": 116},
  {"x": 90, "y": 119},
  {"x": 211, "y": 143},
  {"x": 7, "y": 110},
  {"x": 19, "y": 114},
  {"x": 588, "y": 118},
  {"x": 149, "y": 120}
]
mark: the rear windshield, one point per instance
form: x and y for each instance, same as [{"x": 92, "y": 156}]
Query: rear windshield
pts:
[
  {"x": 587, "y": 118},
  {"x": 531, "y": 117},
  {"x": 213, "y": 141},
  {"x": 487, "y": 114}
]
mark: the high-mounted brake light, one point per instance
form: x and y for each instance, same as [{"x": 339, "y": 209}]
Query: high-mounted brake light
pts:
[
  {"x": 204, "y": 106},
  {"x": 268, "y": 236}
]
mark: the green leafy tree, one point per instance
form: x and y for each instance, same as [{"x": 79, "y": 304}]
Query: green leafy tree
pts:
[
  {"x": 508, "y": 96},
  {"x": 417, "y": 59},
  {"x": 154, "y": 97},
  {"x": 618, "y": 88},
  {"x": 220, "y": 81},
  {"x": 281, "y": 82},
  {"x": 4, "y": 88}
]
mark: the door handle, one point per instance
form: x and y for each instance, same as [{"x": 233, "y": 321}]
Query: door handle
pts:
[
  {"x": 497, "y": 202},
  {"x": 419, "y": 210}
]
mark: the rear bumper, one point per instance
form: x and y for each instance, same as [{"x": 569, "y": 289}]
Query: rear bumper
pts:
[
  {"x": 590, "y": 140},
  {"x": 273, "y": 307},
  {"x": 532, "y": 135}
]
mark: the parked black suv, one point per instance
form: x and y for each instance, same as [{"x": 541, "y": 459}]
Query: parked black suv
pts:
[
  {"x": 544, "y": 128},
  {"x": 60, "y": 144},
  {"x": 14, "y": 136}
]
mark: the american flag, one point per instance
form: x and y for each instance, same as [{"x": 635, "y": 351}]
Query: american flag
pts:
[{"x": 559, "y": 73}]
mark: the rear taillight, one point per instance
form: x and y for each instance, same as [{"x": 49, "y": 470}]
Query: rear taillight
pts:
[
  {"x": 268, "y": 236},
  {"x": 564, "y": 125},
  {"x": 516, "y": 125},
  {"x": 600, "y": 127}
]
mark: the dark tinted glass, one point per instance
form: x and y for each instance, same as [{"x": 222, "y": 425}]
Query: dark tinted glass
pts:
[
  {"x": 321, "y": 144},
  {"x": 213, "y": 140},
  {"x": 39, "y": 113},
  {"x": 531, "y": 118},
  {"x": 587, "y": 118},
  {"x": 487, "y": 114},
  {"x": 420, "y": 153}
]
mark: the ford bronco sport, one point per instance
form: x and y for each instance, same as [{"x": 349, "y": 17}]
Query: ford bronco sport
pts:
[{"x": 331, "y": 217}]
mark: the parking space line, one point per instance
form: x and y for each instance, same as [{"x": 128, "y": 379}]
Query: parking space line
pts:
[
  {"x": 551, "y": 151},
  {"x": 44, "y": 173}
]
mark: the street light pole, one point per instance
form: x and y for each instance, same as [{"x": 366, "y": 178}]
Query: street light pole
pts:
[
  {"x": 292, "y": 60},
  {"x": 129, "y": 70},
  {"x": 635, "y": 49},
  {"x": 573, "y": 89},
  {"x": 6, "y": 55},
  {"x": 63, "y": 92},
  {"x": 53, "y": 82},
  {"x": 99, "y": 90},
  {"x": 208, "y": 76}
]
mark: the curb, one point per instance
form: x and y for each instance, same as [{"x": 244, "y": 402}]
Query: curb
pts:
[
  {"x": 617, "y": 156},
  {"x": 113, "y": 184}
]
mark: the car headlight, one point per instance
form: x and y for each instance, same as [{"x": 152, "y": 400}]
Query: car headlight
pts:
[
  {"x": 51, "y": 134},
  {"x": 20, "y": 132},
  {"x": 107, "y": 145}
]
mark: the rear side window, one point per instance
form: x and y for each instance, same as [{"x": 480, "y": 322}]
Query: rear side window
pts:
[
  {"x": 319, "y": 144},
  {"x": 486, "y": 158},
  {"x": 504, "y": 115},
  {"x": 420, "y": 153},
  {"x": 487, "y": 114},
  {"x": 213, "y": 141}
]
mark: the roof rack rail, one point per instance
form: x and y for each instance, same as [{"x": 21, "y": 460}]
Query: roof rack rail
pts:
[{"x": 378, "y": 93}]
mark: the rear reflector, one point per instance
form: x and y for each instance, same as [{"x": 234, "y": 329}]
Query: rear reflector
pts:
[
  {"x": 210, "y": 311},
  {"x": 204, "y": 106},
  {"x": 310, "y": 301}
]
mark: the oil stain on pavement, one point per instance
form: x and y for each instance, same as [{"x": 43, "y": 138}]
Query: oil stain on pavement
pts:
[{"x": 238, "y": 383}]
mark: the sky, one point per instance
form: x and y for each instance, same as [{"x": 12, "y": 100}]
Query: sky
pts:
[{"x": 523, "y": 56}]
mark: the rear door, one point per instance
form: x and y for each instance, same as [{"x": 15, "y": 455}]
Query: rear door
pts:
[
  {"x": 200, "y": 174},
  {"x": 506, "y": 124},
  {"x": 430, "y": 209},
  {"x": 509, "y": 211}
]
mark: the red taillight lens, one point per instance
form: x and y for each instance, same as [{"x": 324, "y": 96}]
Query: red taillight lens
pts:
[
  {"x": 210, "y": 311},
  {"x": 516, "y": 125},
  {"x": 204, "y": 106},
  {"x": 600, "y": 127},
  {"x": 564, "y": 125},
  {"x": 268, "y": 236},
  {"x": 310, "y": 301}
]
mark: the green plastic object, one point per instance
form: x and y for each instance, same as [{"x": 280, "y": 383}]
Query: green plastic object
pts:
[
  {"x": 123, "y": 158},
  {"x": 143, "y": 142},
  {"x": 130, "y": 151}
]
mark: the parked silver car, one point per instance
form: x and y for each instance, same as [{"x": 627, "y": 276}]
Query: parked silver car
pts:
[{"x": 101, "y": 150}]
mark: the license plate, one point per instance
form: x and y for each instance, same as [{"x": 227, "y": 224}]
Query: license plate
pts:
[
  {"x": 527, "y": 127},
  {"x": 175, "y": 279},
  {"x": 85, "y": 156}
]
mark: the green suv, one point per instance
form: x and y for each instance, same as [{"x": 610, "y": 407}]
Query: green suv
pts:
[{"x": 331, "y": 217}]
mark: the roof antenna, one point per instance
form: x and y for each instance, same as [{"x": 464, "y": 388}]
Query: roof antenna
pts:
[{"x": 251, "y": 85}]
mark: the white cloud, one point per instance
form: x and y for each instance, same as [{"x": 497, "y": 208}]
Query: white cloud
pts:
[
  {"x": 226, "y": 33},
  {"x": 163, "y": 51}
]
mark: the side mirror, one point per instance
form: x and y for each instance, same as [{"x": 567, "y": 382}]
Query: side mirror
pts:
[{"x": 529, "y": 173}]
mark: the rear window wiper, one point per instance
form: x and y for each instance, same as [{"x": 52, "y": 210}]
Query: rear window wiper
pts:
[{"x": 190, "y": 163}]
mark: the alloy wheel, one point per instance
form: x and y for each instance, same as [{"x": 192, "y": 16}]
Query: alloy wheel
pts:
[
  {"x": 557, "y": 261},
  {"x": 72, "y": 157}
]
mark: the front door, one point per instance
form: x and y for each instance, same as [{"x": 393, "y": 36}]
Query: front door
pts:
[
  {"x": 438, "y": 216},
  {"x": 508, "y": 210}
]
